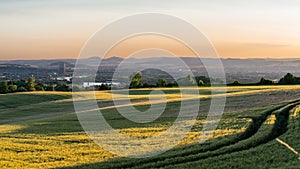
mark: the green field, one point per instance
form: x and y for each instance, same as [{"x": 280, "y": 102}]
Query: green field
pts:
[{"x": 41, "y": 130}]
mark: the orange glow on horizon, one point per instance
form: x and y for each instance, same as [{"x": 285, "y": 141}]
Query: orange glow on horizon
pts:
[{"x": 137, "y": 43}]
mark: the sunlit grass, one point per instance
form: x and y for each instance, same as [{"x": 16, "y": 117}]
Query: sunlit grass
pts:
[
  {"x": 32, "y": 147},
  {"x": 58, "y": 140},
  {"x": 42, "y": 151},
  {"x": 10, "y": 128}
]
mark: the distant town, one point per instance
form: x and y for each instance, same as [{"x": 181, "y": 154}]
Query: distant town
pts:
[{"x": 50, "y": 75}]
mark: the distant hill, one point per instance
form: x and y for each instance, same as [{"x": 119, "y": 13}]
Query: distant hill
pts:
[
  {"x": 113, "y": 59},
  {"x": 69, "y": 62},
  {"x": 151, "y": 76},
  {"x": 8, "y": 65},
  {"x": 243, "y": 70},
  {"x": 56, "y": 64},
  {"x": 38, "y": 63}
]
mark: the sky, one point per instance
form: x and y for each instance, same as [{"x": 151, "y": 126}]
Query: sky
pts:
[{"x": 48, "y": 29}]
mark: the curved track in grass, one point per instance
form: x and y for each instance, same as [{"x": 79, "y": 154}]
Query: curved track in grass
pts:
[{"x": 258, "y": 133}]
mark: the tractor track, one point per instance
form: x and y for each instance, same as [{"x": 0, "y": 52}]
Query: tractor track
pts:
[{"x": 249, "y": 139}]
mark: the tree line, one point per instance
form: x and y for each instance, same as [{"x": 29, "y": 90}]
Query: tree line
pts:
[
  {"x": 137, "y": 82},
  {"x": 31, "y": 85},
  {"x": 288, "y": 79}
]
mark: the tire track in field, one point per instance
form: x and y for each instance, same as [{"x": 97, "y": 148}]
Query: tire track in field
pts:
[
  {"x": 195, "y": 155},
  {"x": 278, "y": 129},
  {"x": 273, "y": 134},
  {"x": 288, "y": 147},
  {"x": 108, "y": 105}
]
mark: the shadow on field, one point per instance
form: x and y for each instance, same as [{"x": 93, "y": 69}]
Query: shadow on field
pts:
[
  {"x": 203, "y": 91},
  {"x": 143, "y": 91},
  {"x": 16, "y": 100},
  {"x": 257, "y": 134},
  {"x": 68, "y": 122}
]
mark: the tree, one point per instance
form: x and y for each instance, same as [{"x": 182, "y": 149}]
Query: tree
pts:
[
  {"x": 173, "y": 84},
  {"x": 135, "y": 80},
  {"x": 12, "y": 88},
  {"x": 289, "y": 79},
  {"x": 236, "y": 83},
  {"x": 30, "y": 84},
  {"x": 75, "y": 88},
  {"x": 103, "y": 87},
  {"x": 264, "y": 81},
  {"x": 40, "y": 86},
  {"x": 146, "y": 84},
  {"x": 10, "y": 83},
  {"x": 3, "y": 87},
  {"x": 50, "y": 87},
  {"x": 204, "y": 79},
  {"x": 21, "y": 83},
  {"x": 186, "y": 81},
  {"x": 162, "y": 83},
  {"x": 22, "y": 89},
  {"x": 200, "y": 83},
  {"x": 191, "y": 79},
  {"x": 62, "y": 86}
]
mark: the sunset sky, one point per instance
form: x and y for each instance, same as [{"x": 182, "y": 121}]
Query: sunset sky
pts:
[{"x": 46, "y": 29}]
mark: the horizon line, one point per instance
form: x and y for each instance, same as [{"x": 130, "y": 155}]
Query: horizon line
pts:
[{"x": 241, "y": 58}]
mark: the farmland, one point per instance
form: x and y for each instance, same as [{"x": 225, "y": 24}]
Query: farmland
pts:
[{"x": 41, "y": 130}]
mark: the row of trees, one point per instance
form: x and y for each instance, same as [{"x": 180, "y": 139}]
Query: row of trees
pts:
[
  {"x": 31, "y": 85},
  {"x": 136, "y": 81},
  {"x": 287, "y": 79}
]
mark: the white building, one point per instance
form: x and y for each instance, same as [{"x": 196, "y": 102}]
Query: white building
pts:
[
  {"x": 93, "y": 84},
  {"x": 63, "y": 79}
]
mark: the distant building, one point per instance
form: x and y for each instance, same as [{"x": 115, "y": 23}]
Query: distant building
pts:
[
  {"x": 68, "y": 79},
  {"x": 62, "y": 68},
  {"x": 94, "y": 84},
  {"x": 91, "y": 84}
]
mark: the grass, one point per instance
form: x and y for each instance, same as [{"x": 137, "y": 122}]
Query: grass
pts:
[
  {"x": 22, "y": 99},
  {"x": 42, "y": 131},
  {"x": 268, "y": 155}
]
